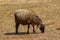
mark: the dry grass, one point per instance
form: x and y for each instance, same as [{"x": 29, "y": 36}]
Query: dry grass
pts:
[{"x": 47, "y": 11}]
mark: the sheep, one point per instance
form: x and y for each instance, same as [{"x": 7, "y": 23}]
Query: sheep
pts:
[{"x": 27, "y": 17}]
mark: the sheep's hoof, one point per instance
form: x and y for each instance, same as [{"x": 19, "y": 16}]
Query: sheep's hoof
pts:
[
  {"x": 27, "y": 32},
  {"x": 33, "y": 31},
  {"x": 16, "y": 32}
]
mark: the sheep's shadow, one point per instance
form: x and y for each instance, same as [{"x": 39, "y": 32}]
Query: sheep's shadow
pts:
[{"x": 20, "y": 33}]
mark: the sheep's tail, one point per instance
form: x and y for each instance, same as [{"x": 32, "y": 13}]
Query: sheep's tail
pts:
[{"x": 15, "y": 17}]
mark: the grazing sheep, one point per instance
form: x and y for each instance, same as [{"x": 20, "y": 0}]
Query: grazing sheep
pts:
[{"x": 27, "y": 17}]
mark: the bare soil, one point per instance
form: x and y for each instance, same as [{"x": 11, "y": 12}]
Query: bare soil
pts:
[{"x": 47, "y": 11}]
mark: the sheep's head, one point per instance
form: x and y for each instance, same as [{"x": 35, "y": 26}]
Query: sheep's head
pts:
[{"x": 42, "y": 28}]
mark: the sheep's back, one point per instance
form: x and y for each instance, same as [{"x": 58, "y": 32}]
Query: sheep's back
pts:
[{"x": 22, "y": 14}]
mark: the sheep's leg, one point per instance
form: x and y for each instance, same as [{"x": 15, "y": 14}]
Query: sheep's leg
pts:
[
  {"x": 28, "y": 28},
  {"x": 17, "y": 27},
  {"x": 33, "y": 29}
]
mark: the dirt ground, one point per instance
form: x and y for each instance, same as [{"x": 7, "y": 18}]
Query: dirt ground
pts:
[{"x": 49, "y": 12}]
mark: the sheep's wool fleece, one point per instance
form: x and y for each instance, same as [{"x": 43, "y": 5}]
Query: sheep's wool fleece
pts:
[{"x": 25, "y": 13}]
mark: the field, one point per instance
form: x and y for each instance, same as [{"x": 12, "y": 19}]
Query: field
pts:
[{"x": 49, "y": 12}]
